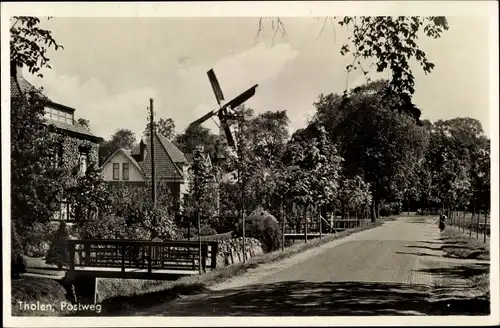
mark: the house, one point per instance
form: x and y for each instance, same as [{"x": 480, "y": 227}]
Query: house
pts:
[
  {"x": 134, "y": 166},
  {"x": 79, "y": 146}
]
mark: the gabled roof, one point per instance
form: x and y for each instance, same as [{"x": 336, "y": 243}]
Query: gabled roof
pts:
[
  {"x": 127, "y": 154},
  {"x": 174, "y": 152},
  {"x": 166, "y": 157}
]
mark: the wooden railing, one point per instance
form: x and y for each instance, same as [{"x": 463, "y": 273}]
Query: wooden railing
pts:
[{"x": 142, "y": 254}]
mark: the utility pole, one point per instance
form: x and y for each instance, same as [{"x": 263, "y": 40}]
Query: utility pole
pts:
[
  {"x": 241, "y": 176},
  {"x": 152, "y": 135},
  {"x": 282, "y": 225},
  {"x": 199, "y": 240}
]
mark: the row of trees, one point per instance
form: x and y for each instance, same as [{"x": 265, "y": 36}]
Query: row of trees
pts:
[{"x": 361, "y": 150}]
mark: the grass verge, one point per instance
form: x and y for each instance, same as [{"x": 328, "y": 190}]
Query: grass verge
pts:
[
  {"x": 474, "y": 298},
  {"x": 144, "y": 294},
  {"x": 459, "y": 245}
]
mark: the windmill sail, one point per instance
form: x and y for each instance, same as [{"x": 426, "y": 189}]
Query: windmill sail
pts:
[
  {"x": 241, "y": 98},
  {"x": 204, "y": 117},
  {"x": 215, "y": 86}
]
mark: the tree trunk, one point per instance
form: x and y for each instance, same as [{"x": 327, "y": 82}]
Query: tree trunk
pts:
[
  {"x": 485, "y": 224},
  {"x": 477, "y": 223},
  {"x": 305, "y": 223},
  {"x": 373, "y": 210},
  {"x": 471, "y": 220},
  {"x": 282, "y": 227},
  {"x": 408, "y": 199},
  {"x": 320, "y": 224}
]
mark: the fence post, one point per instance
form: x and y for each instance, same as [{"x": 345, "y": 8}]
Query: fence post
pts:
[
  {"x": 477, "y": 224},
  {"x": 204, "y": 248},
  {"x": 214, "y": 250},
  {"x": 71, "y": 248},
  {"x": 320, "y": 224},
  {"x": 150, "y": 259},
  {"x": 123, "y": 257},
  {"x": 86, "y": 248},
  {"x": 485, "y": 224}
]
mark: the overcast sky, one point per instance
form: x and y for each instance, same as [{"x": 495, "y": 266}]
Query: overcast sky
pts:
[{"x": 110, "y": 67}]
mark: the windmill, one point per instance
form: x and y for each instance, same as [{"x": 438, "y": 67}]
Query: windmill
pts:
[{"x": 226, "y": 112}]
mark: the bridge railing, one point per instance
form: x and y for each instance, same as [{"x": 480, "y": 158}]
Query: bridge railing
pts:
[{"x": 142, "y": 254}]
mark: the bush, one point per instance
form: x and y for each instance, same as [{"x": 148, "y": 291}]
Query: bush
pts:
[
  {"x": 220, "y": 237},
  {"x": 37, "y": 238},
  {"x": 17, "y": 262},
  {"x": 58, "y": 252},
  {"x": 389, "y": 209},
  {"x": 264, "y": 227},
  {"x": 207, "y": 231}
]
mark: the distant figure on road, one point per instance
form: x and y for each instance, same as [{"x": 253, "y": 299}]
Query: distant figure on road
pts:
[{"x": 442, "y": 221}]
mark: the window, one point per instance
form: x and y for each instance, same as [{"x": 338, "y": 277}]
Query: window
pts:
[
  {"x": 57, "y": 156},
  {"x": 83, "y": 162},
  {"x": 58, "y": 115},
  {"x": 125, "y": 171},
  {"x": 116, "y": 171},
  {"x": 48, "y": 112}
]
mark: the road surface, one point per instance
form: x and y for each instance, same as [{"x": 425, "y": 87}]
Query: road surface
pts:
[{"x": 393, "y": 269}]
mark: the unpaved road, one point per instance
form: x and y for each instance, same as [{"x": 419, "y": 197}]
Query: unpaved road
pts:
[{"x": 393, "y": 269}]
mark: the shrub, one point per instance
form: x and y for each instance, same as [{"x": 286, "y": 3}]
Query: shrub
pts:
[
  {"x": 220, "y": 237},
  {"x": 390, "y": 209},
  {"x": 58, "y": 252},
  {"x": 264, "y": 227},
  {"x": 236, "y": 244},
  {"x": 17, "y": 262},
  {"x": 207, "y": 231},
  {"x": 37, "y": 237}
]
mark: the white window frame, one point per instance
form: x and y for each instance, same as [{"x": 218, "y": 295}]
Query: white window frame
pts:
[
  {"x": 127, "y": 165},
  {"x": 117, "y": 175},
  {"x": 83, "y": 162}
]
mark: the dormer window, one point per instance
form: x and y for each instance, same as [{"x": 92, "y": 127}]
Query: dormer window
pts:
[{"x": 59, "y": 115}]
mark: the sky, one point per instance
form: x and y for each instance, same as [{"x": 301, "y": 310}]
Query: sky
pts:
[{"x": 110, "y": 67}]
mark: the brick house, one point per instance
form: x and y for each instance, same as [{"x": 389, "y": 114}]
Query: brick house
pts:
[{"x": 79, "y": 146}]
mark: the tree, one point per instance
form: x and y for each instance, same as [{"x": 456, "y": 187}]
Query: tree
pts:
[
  {"x": 122, "y": 138},
  {"x": 354, "y": 195},
  {"x": 268, "y": 133},
  {"x": 29, "y": 44},
  {"x": 312, "y": 168},
  {"x": 197, "y": 135},
  {"x": 378, "y": 143},
  {"x": 36, "y": 182},
  {"x": 165, "y": 127},
  {"x": 391, "y": 42},
  {"x": 458, "y": 157},
  {"x": 201, "y": 198},
  {"x": 58, "y": 252}
]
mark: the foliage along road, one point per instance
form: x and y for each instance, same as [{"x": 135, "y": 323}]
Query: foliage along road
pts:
[{"x": 394, "y": 269}]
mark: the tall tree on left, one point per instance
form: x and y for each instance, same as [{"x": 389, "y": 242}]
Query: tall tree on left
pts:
[
  {"x": 36, "y": 183},
  {"x": 29, "y": 44}
]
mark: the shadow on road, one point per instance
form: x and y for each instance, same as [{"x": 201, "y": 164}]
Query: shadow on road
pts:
[
  {"x": 300, "y": 298},
  {"x": 440, "y": 242},
  {"x": 418, "y": 254},
  {"x": 460, "y": 271}
]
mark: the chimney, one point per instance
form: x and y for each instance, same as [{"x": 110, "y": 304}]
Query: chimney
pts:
[{"x": 142, "y": 150}]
